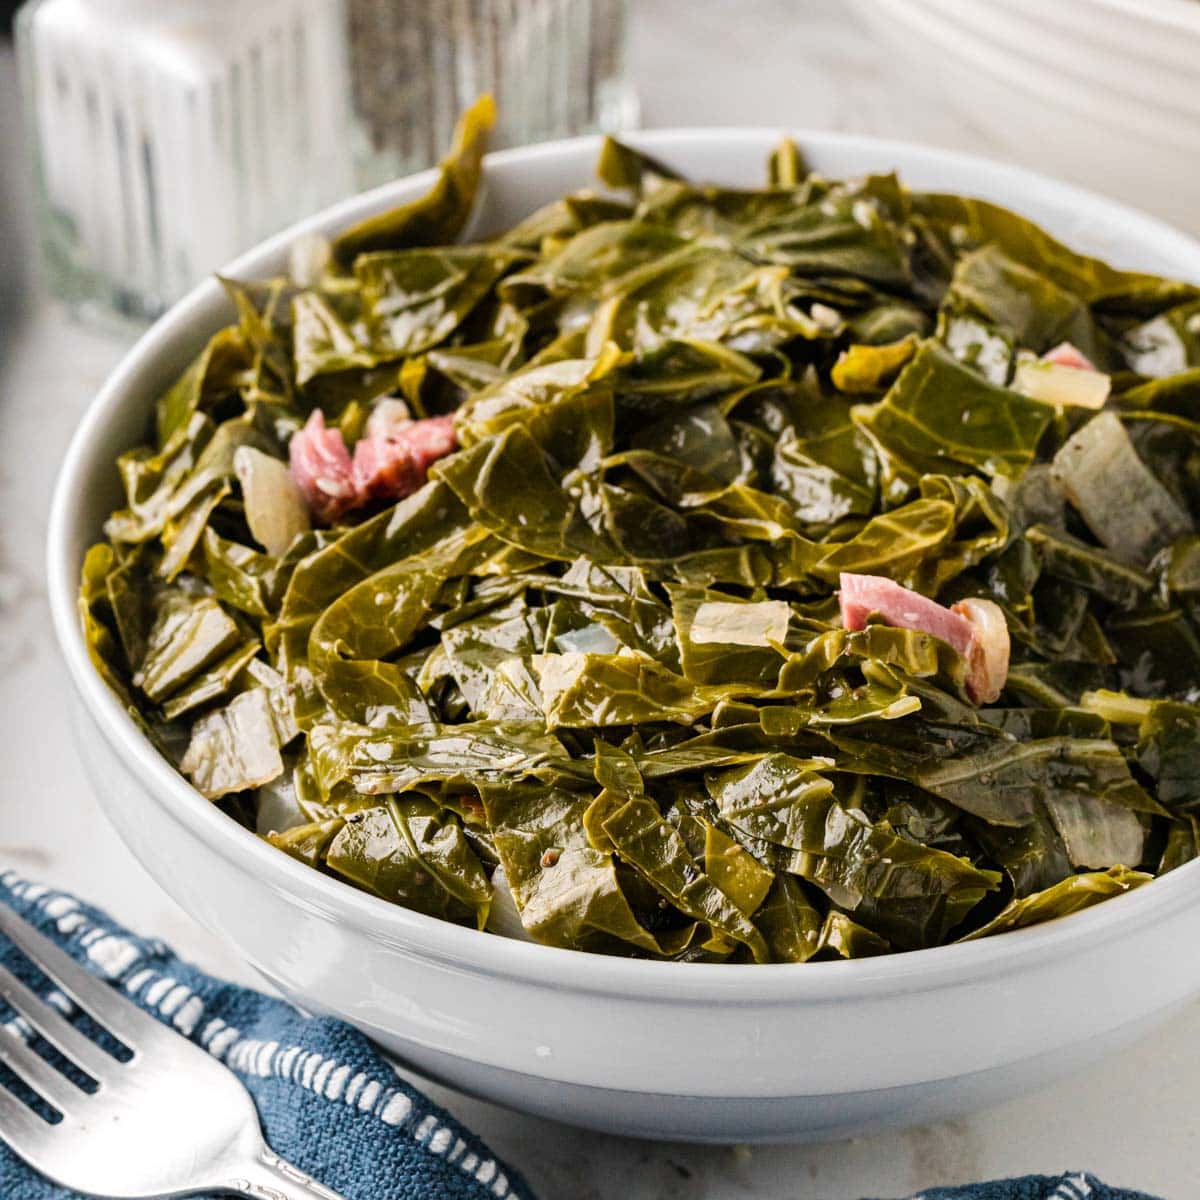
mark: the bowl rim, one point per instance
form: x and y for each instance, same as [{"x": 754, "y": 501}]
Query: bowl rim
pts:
[{"x": 553, "y": 967}]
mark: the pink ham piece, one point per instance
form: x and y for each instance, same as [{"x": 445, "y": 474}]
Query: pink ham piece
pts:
[
  {"x": 322, "y": 469},
  {"x": 393, "y": 462},
  {"x": 390, "y": 461},
  {"x": 1067, "y": 355},
  {"x": 430, "y": 439},
  {"x": 384, "y": 469},
  {"x": 975, "y": 628},
  {"x": 862, "y": 595}
]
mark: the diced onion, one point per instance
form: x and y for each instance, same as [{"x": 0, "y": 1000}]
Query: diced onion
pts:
[
  {"x": 825, "y": 317},
  {"x": 1120, "y": 499},
  {"x": 989, "y": 651},
  {"x": 275, "y": 508},
  {"x": 1053, "y": 383},
  {"x": 736, "y": 624},
  {"x": 1067, "y": 354}
]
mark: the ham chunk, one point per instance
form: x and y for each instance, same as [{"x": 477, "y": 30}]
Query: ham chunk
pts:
[
  {"x": 384, "y": 469},
  {"x": 862, "y": 595},
  {"x": 1067, "y": 355},
  {"x": 429, "y": 440},
  {"x": 322, "y": 469},
  {"x": 975, "y": 628},
  {"x": 393, "y": 461}
]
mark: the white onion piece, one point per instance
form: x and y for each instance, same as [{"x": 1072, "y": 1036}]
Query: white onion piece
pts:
[
  {"x": 825, "y": 317},
  {"x": 503, "y": 917},
  {"x": 733, "y": 623},
  {"x": 1117, "y": 495},
  {"x": 1053, "y": 383},
  {"x": 989, "y": 652},
  {"x": 275, "y": 508}
]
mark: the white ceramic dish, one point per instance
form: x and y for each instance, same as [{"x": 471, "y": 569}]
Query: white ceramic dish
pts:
[{"x": 704, "y": 1052}]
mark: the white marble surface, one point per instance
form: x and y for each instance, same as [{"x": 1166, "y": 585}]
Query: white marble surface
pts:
[{"x": 1135, "y": 1120}]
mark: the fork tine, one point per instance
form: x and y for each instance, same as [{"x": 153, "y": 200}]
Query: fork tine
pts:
[
  {"x": 20, "y": 1126},
  {"x": 56, "y": 1029},
  {"x": 104, "y": 1004},
  {"x": 35, "y": 1072}
]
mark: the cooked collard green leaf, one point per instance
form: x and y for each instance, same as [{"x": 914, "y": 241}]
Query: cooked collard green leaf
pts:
[{"x": 554, "y": 640}]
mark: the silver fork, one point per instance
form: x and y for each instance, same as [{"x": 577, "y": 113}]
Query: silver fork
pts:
[{"x": 169, "y": 1121}]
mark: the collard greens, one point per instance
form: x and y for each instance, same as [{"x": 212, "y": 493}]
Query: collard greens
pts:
[{"x": 592, "y": 672}]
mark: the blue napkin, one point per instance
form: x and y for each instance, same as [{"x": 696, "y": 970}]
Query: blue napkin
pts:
[
  {"x": 1072, "y": 1186},
  {"x": 327, "y": 1099}
]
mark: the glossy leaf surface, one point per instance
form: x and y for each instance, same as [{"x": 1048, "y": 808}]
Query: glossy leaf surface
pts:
[{"x": 589, "y": 682}]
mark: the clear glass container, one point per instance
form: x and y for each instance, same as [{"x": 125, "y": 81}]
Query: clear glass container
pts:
[
  {"x": 170, "y": 135},
  {"x": 555, "y": 67}
]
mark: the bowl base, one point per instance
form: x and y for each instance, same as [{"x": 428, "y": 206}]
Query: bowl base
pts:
[{"x": 746, "y": 1120}]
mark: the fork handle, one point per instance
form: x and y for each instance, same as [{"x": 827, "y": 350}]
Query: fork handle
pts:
[{"x": 270, "y": 1177}]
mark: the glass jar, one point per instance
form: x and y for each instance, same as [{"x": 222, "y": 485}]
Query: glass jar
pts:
[
  {"x": 169, "y": 137},
  {"x": 555, "y": 67}
]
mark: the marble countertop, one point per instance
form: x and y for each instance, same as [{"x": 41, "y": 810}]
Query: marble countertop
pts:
[{"x": 1134, "y": 1120}]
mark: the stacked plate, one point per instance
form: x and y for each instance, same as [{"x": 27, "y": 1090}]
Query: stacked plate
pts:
[{"x": 1105, "y": 93}]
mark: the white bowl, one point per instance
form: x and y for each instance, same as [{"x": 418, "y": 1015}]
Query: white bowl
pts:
[{"x": 705, "y": 1052}]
